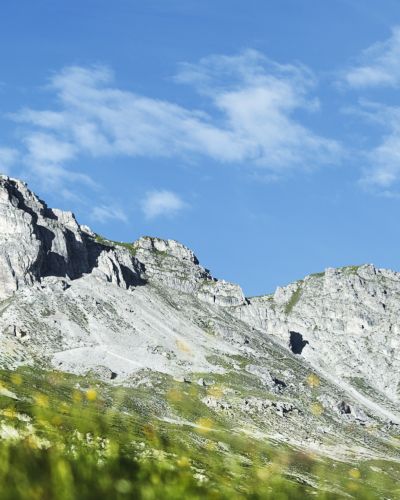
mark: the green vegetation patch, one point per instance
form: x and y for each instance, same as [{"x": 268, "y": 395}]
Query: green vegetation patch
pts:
[
  {"x": 350, "y": 269},
  {"x": 66, "y": 437},
  {"x": 110, "y": 243},
  {"x": 293, "y": 300},
  {"x": 317, "y": 275},
  {"x": 161, "y": 253}
]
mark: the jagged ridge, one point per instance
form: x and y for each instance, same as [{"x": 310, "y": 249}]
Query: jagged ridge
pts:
[{"x": 81, "y": 303}]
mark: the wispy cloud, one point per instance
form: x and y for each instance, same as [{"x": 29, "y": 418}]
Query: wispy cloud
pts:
[
  {"x": 162, "y": 203},
  {"x": 256, "y": 100},
  {"x": 251, "y": 119},
  {"x": 8, "y": 157},
  {"x": 383, "y": 160},
  {"x": 106, "y": 213},
  {"x": 378, "y": 66}
]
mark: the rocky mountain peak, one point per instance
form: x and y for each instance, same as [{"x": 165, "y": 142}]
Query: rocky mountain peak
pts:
[
  {"x": 172, "y": 264},
  {"x": 36, "y": 242},
  {"x": 77, "y": 302},
  {"x": 343, "y": 321},
  {"x": 172, "y": 248}
]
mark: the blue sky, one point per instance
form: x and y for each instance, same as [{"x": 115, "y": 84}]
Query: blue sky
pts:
[{"x": 265, "y": 135}]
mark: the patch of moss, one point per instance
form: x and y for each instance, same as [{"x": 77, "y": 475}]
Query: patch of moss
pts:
[
  {"x": 350, "y": 269},
  {"x": 293, "y": 300},
  {"x": 160, "y": 253},
  {"x": 317, "y": 275},
  {"x": 110, "y": 243},
  {"x": 76, "y": 437},
  {"x": 129, "y": 246}
]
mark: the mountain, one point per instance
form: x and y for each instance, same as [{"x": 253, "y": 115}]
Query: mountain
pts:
[{"x": 314, "y": 367}]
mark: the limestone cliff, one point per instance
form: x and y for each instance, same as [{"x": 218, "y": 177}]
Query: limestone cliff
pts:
[{"x": 316, "y": 356}]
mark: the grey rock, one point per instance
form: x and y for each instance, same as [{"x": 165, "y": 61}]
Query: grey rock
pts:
[
  {"x": 173, "y": 265},
  {"x": 84, "y": 304},
  {"x": 36, "y": 242},
  {"x": 346, "y": 322},
  {"x": 102, "y": 373}
]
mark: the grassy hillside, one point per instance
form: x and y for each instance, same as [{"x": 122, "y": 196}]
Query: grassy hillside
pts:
[{"x": 66, "y": 437}]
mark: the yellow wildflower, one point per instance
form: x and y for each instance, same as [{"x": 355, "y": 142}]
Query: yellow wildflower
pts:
[
  {"x": 354, "y": 473},
  {"x": 42, "y": 400},
  {"x": 204, "y": 424},
  {"x": 16, "y": 379},
  {"x": 91, "y": 395},
  {"x": 317, "y": 409},
  {"x": 312, "y": 380}
]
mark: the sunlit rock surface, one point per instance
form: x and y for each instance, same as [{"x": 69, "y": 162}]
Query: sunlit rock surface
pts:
[{"x": 314, "y": 358}]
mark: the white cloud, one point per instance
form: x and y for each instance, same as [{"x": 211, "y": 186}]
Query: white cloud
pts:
[
  {"x": 106, "y": 213},
  {"x": 379, "y": 65},
  {"x": 256, "y": 100},
  {"x": 162, "y": 203},
  {"x": 45, "y": 155},
  {"x": 251, "y": 120},
  {"x": 8, "y": 157},
  {"x": 47, "y": 149},
  {"x": 382, "y": 160},
  {"x": 385, "y": 159}
]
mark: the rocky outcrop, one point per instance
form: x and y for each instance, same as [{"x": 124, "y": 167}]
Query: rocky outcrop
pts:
[
  {"x": 173, "y": 265},
  {"x": 344, "y": 321},
  {"x": 322, "y": 352},
  {"x": 36, "y": 242}
]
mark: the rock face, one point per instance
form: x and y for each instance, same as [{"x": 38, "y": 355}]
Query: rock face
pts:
[
  {"x": 173, "y": 265},
  {"x": 343, "y": 321},
  {"x": 317, "y": 356},
  {"x": 36, "y": 241}
]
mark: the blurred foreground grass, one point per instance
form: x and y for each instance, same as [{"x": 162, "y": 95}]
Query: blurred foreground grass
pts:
[{"x": 67, "y": 437}]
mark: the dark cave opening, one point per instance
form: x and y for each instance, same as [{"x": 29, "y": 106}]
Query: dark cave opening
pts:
[{"x": 297, "y": 343}]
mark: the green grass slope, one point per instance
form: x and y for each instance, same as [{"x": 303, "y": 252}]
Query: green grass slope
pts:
[{"x": 67, "y": 437}]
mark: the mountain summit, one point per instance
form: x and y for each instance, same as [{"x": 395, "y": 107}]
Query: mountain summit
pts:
[{"x": 302, "y": 365}]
